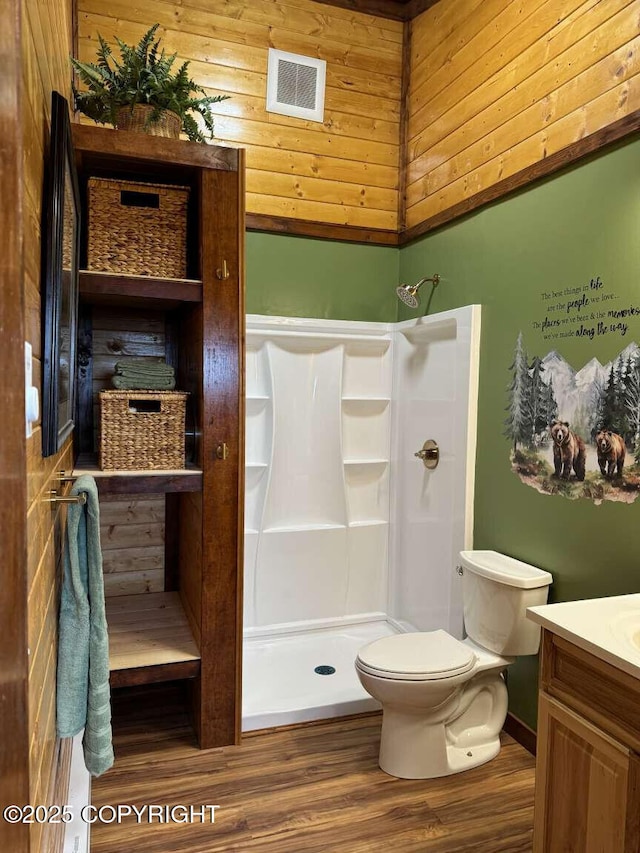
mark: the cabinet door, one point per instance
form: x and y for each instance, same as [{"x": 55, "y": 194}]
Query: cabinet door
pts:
[{"x": 586, "y": 787}]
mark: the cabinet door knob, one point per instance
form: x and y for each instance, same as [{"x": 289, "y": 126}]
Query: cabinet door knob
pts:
[
  {"x": 222, "y": 451},
  {"x": 223, "y": 274}
]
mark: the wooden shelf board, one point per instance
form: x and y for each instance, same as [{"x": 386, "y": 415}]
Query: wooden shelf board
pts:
[
  {"x": 117, "y": 288},
  {"x": 154, "y": 674},
  {"x": 139, "y": 482},
  {"x": 149, "y": 639},
  {"x": 104, "y": 148}
]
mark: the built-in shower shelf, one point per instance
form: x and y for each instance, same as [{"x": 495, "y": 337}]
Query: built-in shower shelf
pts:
[
  {"x": 293, "y": 528},
  {"x": 256, "y": 403},
  {"x": 369, "y": 522},
  {"x": 366, "y": 399},
  {"x": 149, "y": 639},
  {"x": 366, "y": 461},
  {"x": 256, "y": 465}
]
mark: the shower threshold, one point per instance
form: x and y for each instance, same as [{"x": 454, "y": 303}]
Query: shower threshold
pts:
[{"x": 287, "y": 677}]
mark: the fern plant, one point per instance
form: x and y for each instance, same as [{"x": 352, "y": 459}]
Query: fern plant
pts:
[{"x": 142, "y": 75}]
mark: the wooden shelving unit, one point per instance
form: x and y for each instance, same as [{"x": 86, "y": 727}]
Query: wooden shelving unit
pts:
[{"x": 192, "y": 518}]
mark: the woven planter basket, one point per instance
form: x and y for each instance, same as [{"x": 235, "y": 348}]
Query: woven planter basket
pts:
[
  {"x": 137, "y": 229},
  {"x": 142, "y": 430},
  {"x": 168, "y": 123}
]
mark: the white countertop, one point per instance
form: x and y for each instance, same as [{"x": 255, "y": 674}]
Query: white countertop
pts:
[{"x": 609, "y": 628}]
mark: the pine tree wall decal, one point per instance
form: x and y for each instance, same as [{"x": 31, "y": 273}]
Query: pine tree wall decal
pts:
[{"x": 519, "y": 421}]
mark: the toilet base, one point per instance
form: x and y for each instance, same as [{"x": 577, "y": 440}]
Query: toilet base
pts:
[
  {"x": 461, "y": 732},
  {"x": 412, "y": 749}
]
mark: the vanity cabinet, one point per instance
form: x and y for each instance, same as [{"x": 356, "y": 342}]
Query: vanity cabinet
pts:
[
  {"x": 172, "y": 540},
  {"x": 587, "y": 796}
]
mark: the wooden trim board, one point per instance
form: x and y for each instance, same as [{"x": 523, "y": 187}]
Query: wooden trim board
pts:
[
  {"x": 521, "y": 733},
  {"x": 323, "y": 230},
  {"x": 218, "y": 693}
]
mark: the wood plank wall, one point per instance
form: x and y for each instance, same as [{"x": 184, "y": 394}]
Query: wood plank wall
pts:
[
  {"x": 14, "y": 661},
  {"x": 132, "y": 532},
  {"x": 46, "y": 44},
  {"x": 121, "y": 333},
  {"x": 342, "y": 171},
  {"x": 498, "y": 85}
]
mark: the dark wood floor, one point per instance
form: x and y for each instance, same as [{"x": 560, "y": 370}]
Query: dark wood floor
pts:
[{"x": 314, "y": 789}]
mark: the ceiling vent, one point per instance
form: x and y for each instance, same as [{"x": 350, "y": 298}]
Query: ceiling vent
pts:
[{"x": 295, "y": 85}]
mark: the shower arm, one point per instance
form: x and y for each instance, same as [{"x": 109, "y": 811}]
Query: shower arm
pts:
[{"x": 434, "y": 278}]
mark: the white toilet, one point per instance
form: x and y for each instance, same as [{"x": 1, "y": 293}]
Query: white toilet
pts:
[{"x": 444, "y": 701}]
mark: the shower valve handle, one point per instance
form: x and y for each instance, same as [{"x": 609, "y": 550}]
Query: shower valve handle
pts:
[{"x": 430, "y": 454}]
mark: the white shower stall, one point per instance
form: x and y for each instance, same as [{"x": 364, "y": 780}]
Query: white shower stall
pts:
[{"x": 348, "y": 537}]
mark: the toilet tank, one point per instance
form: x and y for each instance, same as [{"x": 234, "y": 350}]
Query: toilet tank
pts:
[{"x": 496, "y": 592}]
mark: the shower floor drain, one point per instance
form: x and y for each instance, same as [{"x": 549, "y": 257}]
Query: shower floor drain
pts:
[{"x": 325, "y": 670}]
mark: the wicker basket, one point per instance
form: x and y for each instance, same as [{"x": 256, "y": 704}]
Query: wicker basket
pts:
[
  {"x": 137, "y": 229},
  {"x": 138, "y": 119},
  {"x": 141, "y": 430}
]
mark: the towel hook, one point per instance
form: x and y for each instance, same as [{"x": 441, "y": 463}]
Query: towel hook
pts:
[{"x": 55, "y": 498}]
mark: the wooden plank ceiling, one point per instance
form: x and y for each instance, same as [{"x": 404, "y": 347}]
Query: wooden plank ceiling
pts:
[{"x": 398, "y": 10}]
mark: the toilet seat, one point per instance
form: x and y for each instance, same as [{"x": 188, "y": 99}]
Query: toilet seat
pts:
[{"x": 421, "y": 656}]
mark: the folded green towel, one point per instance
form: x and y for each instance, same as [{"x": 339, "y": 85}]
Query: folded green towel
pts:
[
  {"x": 145, "y": 366},
  {"x": 129, "y": 371},
  {"x": 148, "y": 383},
  {"x": 83, "y": 698},
  {"x": 140, "y": 374}
]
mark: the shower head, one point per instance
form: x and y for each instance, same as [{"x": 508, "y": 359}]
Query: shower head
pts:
[{"x": 408, "y": 293}]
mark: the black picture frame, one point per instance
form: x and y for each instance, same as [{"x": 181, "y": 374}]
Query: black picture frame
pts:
[{"x": 60, "y": 264}]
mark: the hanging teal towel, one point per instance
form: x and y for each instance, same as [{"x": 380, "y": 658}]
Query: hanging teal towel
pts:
[{"x": 83, "y": 697}]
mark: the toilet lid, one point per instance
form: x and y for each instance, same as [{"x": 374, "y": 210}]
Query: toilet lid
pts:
[{"x": 416, "y": 657}]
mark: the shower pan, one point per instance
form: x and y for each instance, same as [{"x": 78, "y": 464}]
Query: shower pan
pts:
[{"x": 348, "y": 536}]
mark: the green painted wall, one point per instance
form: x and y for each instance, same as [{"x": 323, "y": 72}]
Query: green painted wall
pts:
[
  {"x": 562, "y": 232},
  {"x": 304, "y": 277}
]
